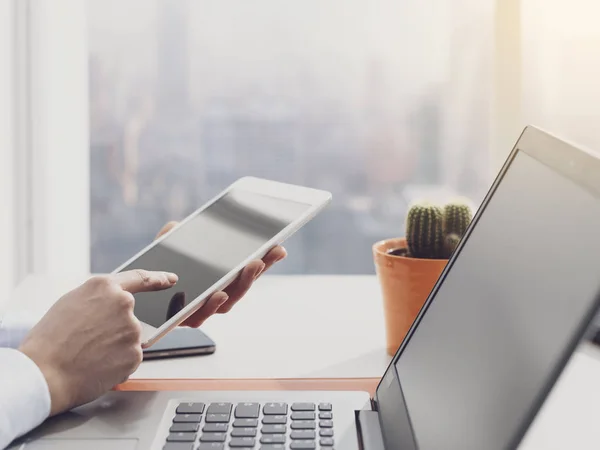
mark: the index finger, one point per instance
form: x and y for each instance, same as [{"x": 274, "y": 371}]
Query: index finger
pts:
[{"x": 139, "y": 280}]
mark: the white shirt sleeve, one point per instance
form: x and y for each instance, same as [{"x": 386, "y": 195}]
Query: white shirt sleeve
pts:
[
  {"x": 24, "y": 395},
  {"x": 13, "y": 328}
]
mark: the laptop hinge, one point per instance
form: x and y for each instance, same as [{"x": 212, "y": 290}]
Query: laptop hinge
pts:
[{"x": 369, "y": 430}]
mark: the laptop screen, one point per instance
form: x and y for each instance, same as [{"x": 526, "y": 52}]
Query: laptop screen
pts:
[{"x": 499, "y": 324}]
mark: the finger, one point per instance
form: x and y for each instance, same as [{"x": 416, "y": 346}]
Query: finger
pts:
[
  {"x": 275, "y": 255},
  {"x": 139, "y": 280},
  {"x": 210, "y": 307},
  {"x": 168, "y": 227},
  {"x": 241, "y": 285}
]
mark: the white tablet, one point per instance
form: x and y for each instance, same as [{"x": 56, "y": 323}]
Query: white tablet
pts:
[{"x": 209, "y": 248}]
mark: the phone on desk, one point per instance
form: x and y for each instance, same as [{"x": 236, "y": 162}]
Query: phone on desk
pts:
[
  {"x": 182, "y": 341},
  {"x": 209, "y": 248}
]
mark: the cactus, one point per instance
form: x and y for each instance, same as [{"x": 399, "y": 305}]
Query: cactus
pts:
[
  {"x": 457, "y": 217},
  {"x": 424, "y": 231},
  {"x": 450, "y": 242},
  {"x": 433, "y": 232}
]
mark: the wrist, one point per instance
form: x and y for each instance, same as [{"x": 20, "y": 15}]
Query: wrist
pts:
[{"x": 55, "y": 381}]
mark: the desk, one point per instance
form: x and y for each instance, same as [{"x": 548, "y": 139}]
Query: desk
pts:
[
  {"x": 337, "y": 329},
  {"x": 316, "y": 327}
]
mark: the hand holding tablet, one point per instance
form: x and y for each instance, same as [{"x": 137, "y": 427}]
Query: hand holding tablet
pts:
[
  {"x": 219, "y": 250},
  {"x": 222, "y": 301}
]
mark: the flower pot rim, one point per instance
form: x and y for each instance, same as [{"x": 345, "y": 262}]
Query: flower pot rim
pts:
[{"x": 382, "y": 242}]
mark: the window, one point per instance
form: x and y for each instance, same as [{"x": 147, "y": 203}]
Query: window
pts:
[{"x": 380, "y": 102}]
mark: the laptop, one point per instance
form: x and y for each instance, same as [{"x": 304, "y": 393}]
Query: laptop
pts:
[{"x": 499, "y": 326}]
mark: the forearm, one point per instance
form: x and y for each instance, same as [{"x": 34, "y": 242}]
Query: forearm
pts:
[{"x": 24, "y": 396}]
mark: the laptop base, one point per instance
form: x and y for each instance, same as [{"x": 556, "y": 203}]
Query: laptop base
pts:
[{"x": 142, "y": 420}]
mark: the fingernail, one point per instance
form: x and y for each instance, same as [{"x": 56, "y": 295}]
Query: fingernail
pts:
[
  {"x": 225, "y": 298},
  {"x": 172, "y": 277}
]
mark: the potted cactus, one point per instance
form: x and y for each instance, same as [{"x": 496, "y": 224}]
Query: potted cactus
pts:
[{"x": 409, "y": 267}]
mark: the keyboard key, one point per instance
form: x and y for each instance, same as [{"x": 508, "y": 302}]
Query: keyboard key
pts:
[
  {"x": 215, "y": 427},
  {"x": 273, "y": 429},
  {"x": 219, "y": 408},
  {"x": 187, "y": 427},
  {"x": 243, "y": 423},
  {"x": 242, "y": 442},
  {"x": 190, "y": 408},
  {"x": 325, "y": 407},
  {"x": 211, "y": 446},
  {"x": 273, "y": 439},
  {"x": 326, "y": 423},
  {"x": 217, "y": 418},
  {"x": 303, "y": 425},
  {"x": 243, "y": 432},
  {"x": 181, "y": 437},
  {"x": 325, "y": 415},
  {"x": 303, "y": 445},
  {"x": 275, "y": 409},
  {"x": 247, "y": 410},
  {"x": 187, "y": 418},
  {"x": 272, "y": 420},
  {"x": 303, "y": 415},
  {"x": 326, "y": 442},
  {"x": 326, "y": 432},
  {"x": 303, "y": 434},
  {"x": 213, "y": 437},
  {"x": 179, "y": 446},
  {"x": 272, "y": 447},
  {"x": 303, "y": 407}
]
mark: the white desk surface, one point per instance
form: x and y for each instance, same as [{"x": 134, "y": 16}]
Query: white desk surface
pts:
[
  {"x": 285, "y": 327},
  {"x": 332, "y": 326}
]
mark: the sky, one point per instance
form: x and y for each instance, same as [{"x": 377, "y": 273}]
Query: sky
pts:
[{"x": 236, "y": 44}]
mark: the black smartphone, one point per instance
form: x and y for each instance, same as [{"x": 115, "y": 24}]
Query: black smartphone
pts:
[{"x": 181, "y": 341}]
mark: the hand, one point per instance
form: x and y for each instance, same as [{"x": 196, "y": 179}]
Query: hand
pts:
[
  {"x": 222, "y": 302},
  {"x": 90, "y": 341}
]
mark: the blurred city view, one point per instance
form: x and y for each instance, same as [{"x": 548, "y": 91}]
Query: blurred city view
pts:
[{"x": 380, "y": 102}]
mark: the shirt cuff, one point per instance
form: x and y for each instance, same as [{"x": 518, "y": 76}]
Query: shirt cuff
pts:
[
  {"x": 24, "y": 396},
  {"x": 14, "y": 327}
]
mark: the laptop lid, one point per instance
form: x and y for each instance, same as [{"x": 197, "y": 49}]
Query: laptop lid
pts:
[{"x": 508, "y": 310}]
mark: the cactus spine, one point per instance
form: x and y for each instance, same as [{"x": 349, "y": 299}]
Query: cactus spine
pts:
[
  {"x": 424, "y": 231},
  {"x": 457, "y": 217},
  {"x": 433, "y": 232}
]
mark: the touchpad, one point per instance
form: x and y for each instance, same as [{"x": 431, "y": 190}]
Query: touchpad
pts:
[{"x": 78, "y": 444}]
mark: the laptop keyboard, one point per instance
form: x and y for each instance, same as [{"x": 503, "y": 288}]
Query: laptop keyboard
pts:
[{"x": 269, "y": 426}]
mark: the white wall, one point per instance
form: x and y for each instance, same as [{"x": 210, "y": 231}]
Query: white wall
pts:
[
  {"x": 561, "y": 68},
  {"x": 59, "y": 136}
]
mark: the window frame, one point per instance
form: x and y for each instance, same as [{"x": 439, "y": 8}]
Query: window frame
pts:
[
  {"x": 7, "y": 193},
  {"x": 45, "y": 157},
  {"x": 507, "y": 120}
]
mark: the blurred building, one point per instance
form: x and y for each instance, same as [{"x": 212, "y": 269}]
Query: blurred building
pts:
[{"x": 169, "y": 133}]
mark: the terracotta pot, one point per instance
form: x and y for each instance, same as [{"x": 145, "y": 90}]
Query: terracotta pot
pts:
[{"x": 405, "y": 285}]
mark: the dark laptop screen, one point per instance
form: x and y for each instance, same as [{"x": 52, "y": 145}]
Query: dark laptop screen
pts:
[{"x": 525, "y": 279}]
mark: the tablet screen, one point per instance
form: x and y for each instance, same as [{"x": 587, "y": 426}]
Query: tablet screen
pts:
[{"x": 208, "y": 246}]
